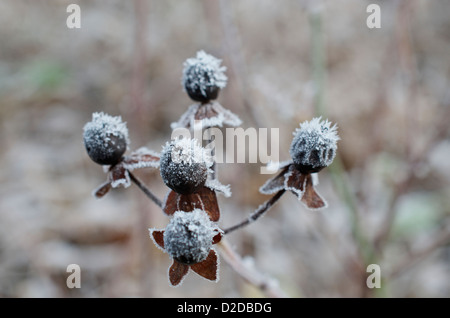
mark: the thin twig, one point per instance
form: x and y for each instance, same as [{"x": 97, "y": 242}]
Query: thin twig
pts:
[
  {"x": 213, "y": 173},
  {"x": 265, "y": 284},
  {"x": 263, "y": 208},
  {"x": 146, "y": 190}
]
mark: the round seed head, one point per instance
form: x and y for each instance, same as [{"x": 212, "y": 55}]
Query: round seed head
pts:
[
  {"x": 188, "y": 236},
  {"x": 203, "y": 77},
  {"x": 314, "y": 145},
  {"x": 105, "y": 138},
  {"x": 185, "y": 165}
]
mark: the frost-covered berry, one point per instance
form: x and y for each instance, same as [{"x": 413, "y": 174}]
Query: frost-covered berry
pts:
[
  {"x": 188, "y": 237},
  {"x": 184, "y": 165},
  {"x": 203, "y": 77},
  {"x": 314, "y": 145},
  {"x": 105, "y": 138}
]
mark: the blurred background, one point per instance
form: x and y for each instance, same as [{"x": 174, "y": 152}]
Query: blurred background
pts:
[{"x": 287, "y": 61}]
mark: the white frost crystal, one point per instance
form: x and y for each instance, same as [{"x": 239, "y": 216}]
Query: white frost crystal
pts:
[
  {"x": 215, "y": 185},
  {"x": 314, "y": 145},
  {"x": 189, "y": 235},
  {"x": 185, "y": 165}
]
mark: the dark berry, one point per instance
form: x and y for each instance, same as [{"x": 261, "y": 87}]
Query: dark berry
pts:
[
  {"x": 184, "y": 165},
  {"x": 203, "y": 77},
  {"x": 188, "y": 237},
  {"x": 314, "y": 146},
  {"x": 105, "y": 139}
]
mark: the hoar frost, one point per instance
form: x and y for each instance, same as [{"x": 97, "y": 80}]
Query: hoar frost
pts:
[
  {"x": 214, "y": 116},
  {"x": 188, "y": 236},
  {"x": 105, "y": 138},
  {"x": 314, "y": 145},
  {"x": 185, "y": 165},
  {"x": 203, "y": 77}
]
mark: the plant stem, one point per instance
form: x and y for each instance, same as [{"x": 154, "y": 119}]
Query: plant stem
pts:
[
  {"x": 146, "y": 190},
  {"x": 263, "y": 208},
  {"x": 255, "y": 278},
  {"x": 209, "y": 140}
]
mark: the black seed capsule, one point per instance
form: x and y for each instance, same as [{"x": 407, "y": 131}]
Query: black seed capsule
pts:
[
  {"x": 196, "y": 94},
  {"x": 314, "y": 146},
  {"x": 188, "y": 236},
  {"x": 203, "y": 77},
  {"x": 105, "y": 139},
  {"x": 184, "y": 165}
]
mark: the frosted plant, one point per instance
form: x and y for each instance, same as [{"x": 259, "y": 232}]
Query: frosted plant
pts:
[
  {"x": 185, "y": 165},
  {"x": 119, "y": 174},
  {"x": 106, "y": 141},
  {"x": 313, "y": 148},
  {"x": 314, "y": 145},
  {"x": 184, "y": 168},
  {"x": 188, "y": 236},
  {"x": 188, "y": 170},
  {"x": 105, "y": 138},
  {"x": 203, "y": 77},
  {"x": 188, "y": 239}
]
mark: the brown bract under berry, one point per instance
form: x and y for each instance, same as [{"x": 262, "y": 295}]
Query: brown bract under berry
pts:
[
  {"x": 205, "y": 199},
  {"x": 210, "y": 114},
  {"x": 302, "y": 185},
  {"x": 118, "y": 174}
]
